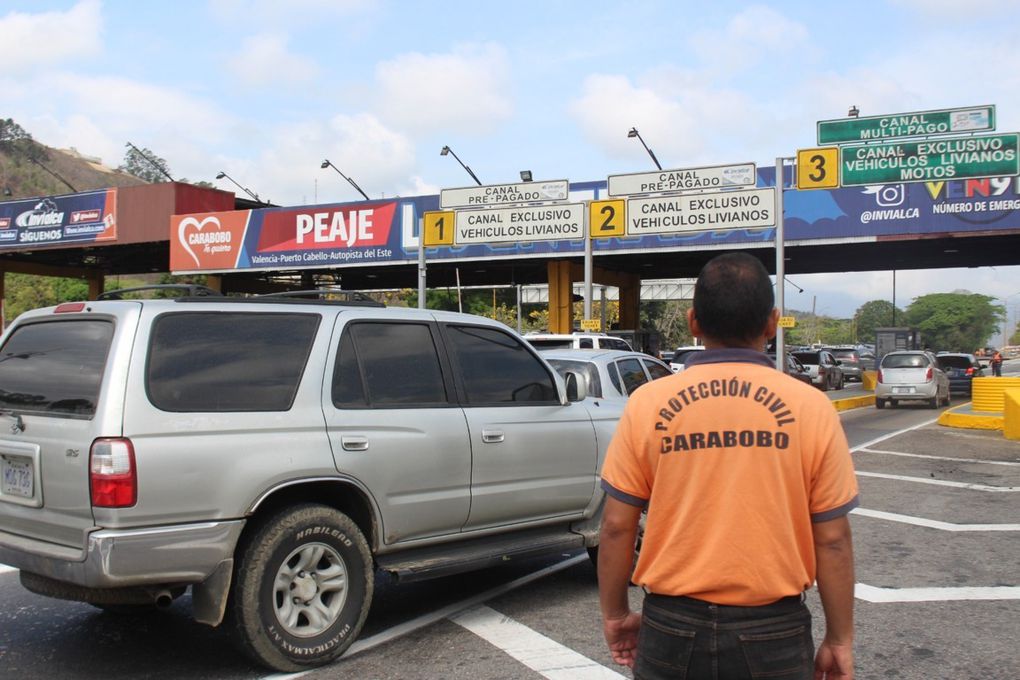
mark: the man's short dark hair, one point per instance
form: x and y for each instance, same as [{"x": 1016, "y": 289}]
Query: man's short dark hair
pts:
[{"x": 733, "y": 298}]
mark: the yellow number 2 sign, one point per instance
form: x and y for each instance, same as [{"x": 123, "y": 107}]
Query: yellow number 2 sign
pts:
[
  {"x": 437, "y": 228},
  {"x": 818, "y": 168},
  {"x": 608, "y": 218}
]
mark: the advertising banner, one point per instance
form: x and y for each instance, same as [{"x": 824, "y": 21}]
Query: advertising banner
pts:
[
  {"x": 285, "y": 238},
  {"x": 381, "y": 232},
  {"x": 53, "y": 220}
]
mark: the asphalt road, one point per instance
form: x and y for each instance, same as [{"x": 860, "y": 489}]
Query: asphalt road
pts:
[{"x": 933, "y": 533}]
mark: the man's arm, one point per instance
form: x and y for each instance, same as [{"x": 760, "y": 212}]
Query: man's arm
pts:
[
  {"x": 616, "y": 562},
  {"x": 834, "y": 554}
]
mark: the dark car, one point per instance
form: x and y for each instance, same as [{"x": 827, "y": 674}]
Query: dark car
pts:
[
  {"x": 794, "y": 368},
  {"x": 850, "y": 361},
  {"x": 961, "y": 369}
]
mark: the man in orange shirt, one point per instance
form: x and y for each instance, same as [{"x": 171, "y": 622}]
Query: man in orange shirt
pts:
[{"x": 747, "y": 481}]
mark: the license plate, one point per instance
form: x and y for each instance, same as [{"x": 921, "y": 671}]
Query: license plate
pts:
[
  {"x": 903, "y": 390},
  {"x": 18, "y": 476}
]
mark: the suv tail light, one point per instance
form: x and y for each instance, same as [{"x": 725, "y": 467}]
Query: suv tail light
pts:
[
  {"x": 970, "y": 371},
  {"x": 880, "y": 375},
  {"x": 929, "y": 374},
  {"x": 112, "y": 475}
]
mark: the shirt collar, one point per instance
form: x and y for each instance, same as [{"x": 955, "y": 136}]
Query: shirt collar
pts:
[{"x": 728, "y": 355}]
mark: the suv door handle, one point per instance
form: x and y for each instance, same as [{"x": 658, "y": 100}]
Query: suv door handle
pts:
[
  {"x": 492, "y": 436},
  {"x": 354, "y": 443}
]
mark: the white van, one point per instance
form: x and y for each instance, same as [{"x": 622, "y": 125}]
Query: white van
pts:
[{"x": 542, "y": 341}]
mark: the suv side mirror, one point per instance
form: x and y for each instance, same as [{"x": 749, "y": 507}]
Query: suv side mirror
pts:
[{"x": 577, "y": 388}]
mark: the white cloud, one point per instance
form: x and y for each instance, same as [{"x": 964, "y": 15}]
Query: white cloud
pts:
[
  {"x": 463, "y": 91},
  {"x": 292, "y": 11},
  {"x": 378, "y": 159},
  {"x": 757, "y": 32},
  {"x": 45, "y": 38},
  {"x": 264, "y": 60}
]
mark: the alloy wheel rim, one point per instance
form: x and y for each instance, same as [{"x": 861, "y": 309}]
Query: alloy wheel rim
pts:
[{"x": 310, "y": 590}]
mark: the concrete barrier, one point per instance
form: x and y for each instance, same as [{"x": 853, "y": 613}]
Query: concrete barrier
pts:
[
  {"x": 988, "y": 393},
  {"x": 868, "y": 380},
  {"x": 1011, "y": 414}
]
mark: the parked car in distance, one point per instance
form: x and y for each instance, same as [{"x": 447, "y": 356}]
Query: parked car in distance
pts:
[
  {"x": 609, "y": 373},
  {"x": 680, "y": 354},
  {"x": 794, "y": 368},
  {"x": 542, "y": 341},
  {"x": 850, "y": 362},
  {"x": 961, "y": 369},
  {"x": 911, "y": 375},
  {"x": 824, "y": 368}
]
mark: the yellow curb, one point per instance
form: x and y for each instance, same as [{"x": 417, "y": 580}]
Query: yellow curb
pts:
[
  {"x": 971, "y": 421},
  {"x": 853, "y": 402}
]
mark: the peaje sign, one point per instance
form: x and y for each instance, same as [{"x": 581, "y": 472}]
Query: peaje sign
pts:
[
  {"x": 56, "y": 220},
  {"x": 283, "y": 238}
]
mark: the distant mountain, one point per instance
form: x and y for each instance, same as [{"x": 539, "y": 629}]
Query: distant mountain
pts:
[{"x": 21, "y": 178}]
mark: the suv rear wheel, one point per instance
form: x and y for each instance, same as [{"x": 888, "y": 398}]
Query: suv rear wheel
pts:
[{"x": 302, "y": 588}]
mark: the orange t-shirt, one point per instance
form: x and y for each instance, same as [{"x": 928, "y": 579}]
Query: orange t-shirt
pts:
[{"x": 734, "y": 460}]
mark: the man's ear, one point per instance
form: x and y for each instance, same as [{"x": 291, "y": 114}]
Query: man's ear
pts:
[
  {"x": 693, "y": 324},
  {"x": 772, "y": 324}
]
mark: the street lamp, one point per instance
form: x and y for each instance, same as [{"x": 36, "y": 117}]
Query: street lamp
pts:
[
  {"x": 447, "y": 150},
  {"x": 246, "y": 190},
  {"x": 526, "y": 175},
  {"x": 854, "y": 111},
  {"x": 634, "y": 133},
  {"x": 327, "y": 164}
]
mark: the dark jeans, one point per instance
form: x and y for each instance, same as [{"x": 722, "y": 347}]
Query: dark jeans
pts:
[{"x": 686, "y": 639}]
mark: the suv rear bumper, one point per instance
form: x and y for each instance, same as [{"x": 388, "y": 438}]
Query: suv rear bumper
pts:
[{"x": 117, "y": 558}]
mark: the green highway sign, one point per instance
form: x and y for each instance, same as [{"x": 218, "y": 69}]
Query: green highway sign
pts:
[
  {"x": 917, "y": 124},
  {"x": 934, "y": 159}
]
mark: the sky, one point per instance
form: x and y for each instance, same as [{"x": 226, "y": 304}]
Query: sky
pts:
[{"x": 265, "y": 90}]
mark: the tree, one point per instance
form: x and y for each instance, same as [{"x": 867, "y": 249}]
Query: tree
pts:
[
  {"x": 144, "y": 164},
  {"x": 15, "y": 141},
  {"x": 875, "y": 314},
  {"x": 955, "y": 321},
  {"x": 1015, "y": 338}
]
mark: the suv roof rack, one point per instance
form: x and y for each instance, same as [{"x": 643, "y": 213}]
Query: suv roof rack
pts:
[
  {"x": 190, "y": 290},
  {"x": 349, "y": 297}
]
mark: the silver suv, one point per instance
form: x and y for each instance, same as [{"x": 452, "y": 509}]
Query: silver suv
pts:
[{"x": 271, "y": 454}]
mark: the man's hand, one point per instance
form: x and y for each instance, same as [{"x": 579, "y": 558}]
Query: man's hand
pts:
[
  {"x": 621, "y": 634},
  {"x": 834, "y": 662}
]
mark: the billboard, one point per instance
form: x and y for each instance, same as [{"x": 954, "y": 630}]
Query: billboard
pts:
[
  {"x": 55, "y": 220},
  {"x": 381, "y": 232}
]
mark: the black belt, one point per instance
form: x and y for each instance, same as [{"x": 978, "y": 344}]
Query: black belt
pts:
[{"x": 791, "y": 602}]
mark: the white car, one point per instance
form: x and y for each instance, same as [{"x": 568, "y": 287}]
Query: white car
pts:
[
  {"x": 608, "y": 374},
  {"x": 911, "y": 376}
]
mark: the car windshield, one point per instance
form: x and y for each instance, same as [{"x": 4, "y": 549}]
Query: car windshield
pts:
[{"x": 904, "y": 361}]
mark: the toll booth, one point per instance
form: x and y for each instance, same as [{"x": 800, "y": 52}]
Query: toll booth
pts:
[{"x": 893, "y": 339}]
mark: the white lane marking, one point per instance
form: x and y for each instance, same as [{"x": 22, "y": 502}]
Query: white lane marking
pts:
[
  {"x": 4, "y": 569},
  {"x": 432, "y": 617},
  {"x": 546, "y": 657},
  {"x": 883, "y": 595},
  {"x": 947, "y": 458},
  {"x": 941, "y": 482},
  {"x": 869, "y": 444},
  {"x": 932, "y": 523}
]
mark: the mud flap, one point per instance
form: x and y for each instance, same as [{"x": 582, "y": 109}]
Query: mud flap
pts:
[{"x": 209, "y": 598}]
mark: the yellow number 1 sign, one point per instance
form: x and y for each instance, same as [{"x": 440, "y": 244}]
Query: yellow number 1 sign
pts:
[{"x": 437, "y": 228}]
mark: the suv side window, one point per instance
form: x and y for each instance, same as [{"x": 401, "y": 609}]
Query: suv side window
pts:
[
  {"x": 656, "y": 370},
  {"x": 584, "y": 343},
  {"x": 497, "y": 369},
  {"x": 218, "y": 362},
  {"x": 633, "y": 376},
  {"x": 387, "y": 364}
]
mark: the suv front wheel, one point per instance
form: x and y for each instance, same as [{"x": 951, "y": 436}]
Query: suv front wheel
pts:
[{"x": 302, "y": 588}]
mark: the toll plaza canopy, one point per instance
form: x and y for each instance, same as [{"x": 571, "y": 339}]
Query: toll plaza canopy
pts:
[{"x": 374, "y": 244}]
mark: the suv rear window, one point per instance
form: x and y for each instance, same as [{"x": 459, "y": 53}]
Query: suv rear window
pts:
[
  {"x": 55, "y": 367},
  {"x": 955, "y": 361},
  {"x": 227, "y": 361}
]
